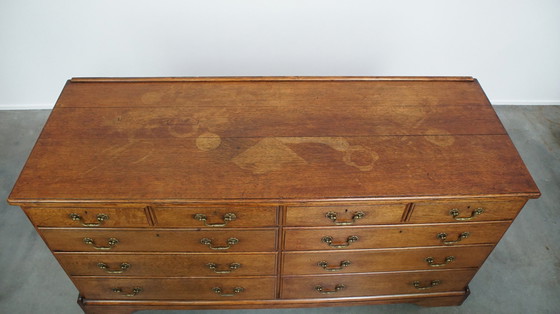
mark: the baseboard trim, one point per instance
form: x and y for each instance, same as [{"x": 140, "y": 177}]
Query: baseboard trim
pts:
[
  {"x": 27, "y": 107},
  {"x": 526, "y": 102}
]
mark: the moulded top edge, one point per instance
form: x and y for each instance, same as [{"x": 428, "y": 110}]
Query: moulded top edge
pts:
[
  {"x": 268, "y": 79},
  {"x": 411, "y": 198}
]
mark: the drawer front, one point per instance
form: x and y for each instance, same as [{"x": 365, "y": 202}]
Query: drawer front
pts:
[
  {"x": 177, "y": 288},
  {"x": 159, "y": 240},
  {"x": 363, "y": 261},
  {"x": 301, "y": 287},
  {"x": 216, "y": 217},
  {"x": 168, "y": 265},
  {"x": 344, "y": 215},
  {"x": 95, "y": 217},
  {"x": 344, "y": 238},
  {"x": 464, "y": 211}
]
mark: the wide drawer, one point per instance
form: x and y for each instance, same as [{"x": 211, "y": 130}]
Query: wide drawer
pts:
[
  {"x": 301, "y": 287},
  {"x": 168, "y": 265},
  {"x": 343, "y": 238},
  {"x": 177, "y": 288},
  {"x": 344, "y": 215},
  {"x": 465, "y": 211},
  {"x": 94, "y": 217},
  {"x": 363, "y": 261},
  {"x": 216, "y": 217},
  {"x": 160, "y": 240}
]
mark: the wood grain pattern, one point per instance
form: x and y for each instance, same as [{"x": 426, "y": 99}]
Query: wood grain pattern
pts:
[
  {"x": 440, "y": 211},
  {"x": 60, "y": 217},
  {"x": 365, "y": 261},
  {"x": 318, "y": 215},
  {"x": 280, "y": 153},
  {"x": 271, "y": 139},
  {"x": 169, "y": 265},
  {"x": 245, "y": 216},
  {"x": 159, "y": 240},
  {"x": 253, "y": 168},
  {"x": 394, "y": 236},
  {"x": 177, "y": 288},
  {"x": 374, "y": 284}
]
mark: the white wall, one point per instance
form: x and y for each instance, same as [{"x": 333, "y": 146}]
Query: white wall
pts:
[{"x": 512, "y": 47}]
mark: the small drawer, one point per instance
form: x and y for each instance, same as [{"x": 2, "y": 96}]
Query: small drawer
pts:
[
  {"x": 159, "y": 240},
  {"x": 344, "y": 215},
  {"x": 94, "y": 217},
  {"x": 364, "y": 261},
  {"x": 461, "y": 211},
  {"x": 222, "y": 289},
  {"x": 168, "y": 265},
  {"x": 302, "y": 287},
  {"x": 216, "y": 217},
  {"x": 344, "y": 238}
]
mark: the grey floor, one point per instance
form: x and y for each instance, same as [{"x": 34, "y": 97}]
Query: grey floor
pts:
[{"x": 522, "y": 275}]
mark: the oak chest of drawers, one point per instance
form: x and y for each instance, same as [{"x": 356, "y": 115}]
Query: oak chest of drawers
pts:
[{"x": 193, "y": 193}]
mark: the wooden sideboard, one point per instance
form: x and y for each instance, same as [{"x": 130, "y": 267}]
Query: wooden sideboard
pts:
[{"x": 268, "y": 192}]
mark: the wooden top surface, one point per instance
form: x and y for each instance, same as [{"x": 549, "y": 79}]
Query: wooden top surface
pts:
[{"x": 271, "y": 139}]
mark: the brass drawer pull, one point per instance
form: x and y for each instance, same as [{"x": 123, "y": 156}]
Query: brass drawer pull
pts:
[
  {"x": 227, "y": 218},
  {"x": 337, "y": 288},
  {"x": 236, "y": 290},
  {"x": 329, "y": 240},
  {"x": 111, "y": 241},
  {"x": 333, "y": 216},
  {"x": 100, "y": 218},
  {"x": 230, "y": 242},
  {"x": 232, "y": 267},
  {"x": 431, "y": 262},
  {"x": 433, "y": 283},
  {"x": 443, "y": 236},
  {"x": 135, "y": 291},
  {"x": 123, "y": 267},
  {"x": 455, "y": 214},
  {"x": 326, "y": 266}
]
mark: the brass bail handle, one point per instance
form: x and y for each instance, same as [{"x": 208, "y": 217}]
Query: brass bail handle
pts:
[
  {"x": 334, "y": 216},
  {"x": 232, "y": 267},
  {"x": 227, "y": 218},
  {"x": 322, "y": 290},
  {"x": 135, "y": 291},
  {"x": 100, "y": 218},
  {"x": 433, "y": 283},
  {"x": 455, "y": 214},
  {"x": 442, "y": 236},
  {"x": 122, "y": 268},
  {"x": 432, "y": 263},
  {"x": 329, "y": 240},
  {"x": 230, "y": 242},
  {"x": 326, "y": 266},
  {"x": 112, "y": 242},
  {"x": 235, "y": 291}
]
